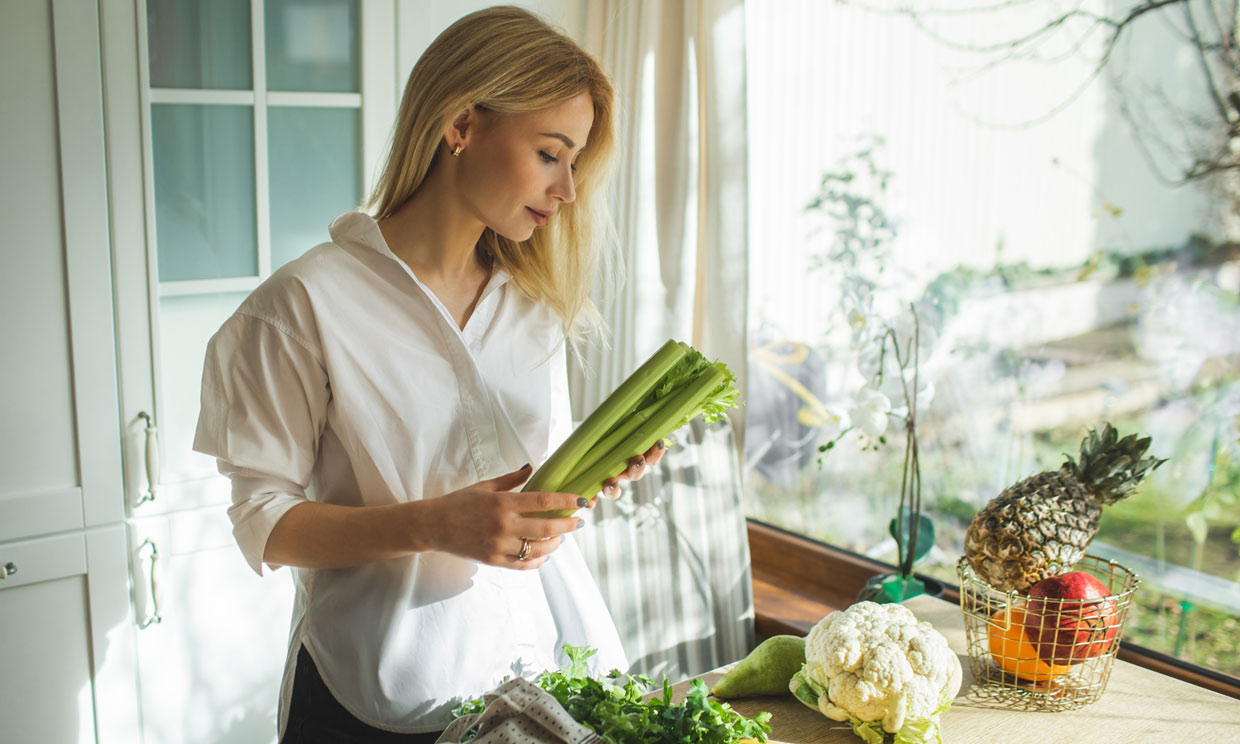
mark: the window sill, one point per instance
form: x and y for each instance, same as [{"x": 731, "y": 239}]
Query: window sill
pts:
[{"x": 797, "y": 581}]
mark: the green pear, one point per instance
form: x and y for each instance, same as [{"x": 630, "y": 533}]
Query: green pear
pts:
[{"x": 767, "y": 669}]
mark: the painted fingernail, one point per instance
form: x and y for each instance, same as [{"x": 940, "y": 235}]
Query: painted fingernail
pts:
[
  {"x": 581, "y": 523},
  {"x": 641, "y": 463},
  {"x": 526, "y": 466},
  {"x": 582, "y": 501},
  {"x": 660, "y": 444}
]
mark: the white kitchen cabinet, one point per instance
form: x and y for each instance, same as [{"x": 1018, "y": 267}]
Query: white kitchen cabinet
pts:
[
  {"x": 50, "y": 699},
  {"x": 61, "y": 465},
  {"x": 237, "y": 129},
  {"x": 65, "y": 646},
  {"x": 210, "y": 667},
  {"x": 67, "y": 652}
]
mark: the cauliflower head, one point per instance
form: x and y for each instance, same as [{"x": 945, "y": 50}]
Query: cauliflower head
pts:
[{"x": 879, "y": 668}]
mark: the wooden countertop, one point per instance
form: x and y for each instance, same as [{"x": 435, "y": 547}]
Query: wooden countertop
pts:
[{"x": 1138, "y": 706}]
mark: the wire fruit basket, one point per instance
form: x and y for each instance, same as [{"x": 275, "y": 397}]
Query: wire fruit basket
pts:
[{"x": 1042, "y": 653}]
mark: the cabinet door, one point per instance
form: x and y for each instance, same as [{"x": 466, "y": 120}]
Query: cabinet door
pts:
[
  {"x": 59, "y": 454},
  {"x": 212, "y": 651},
  {"x": 65, "y": 649},
  {"x": 45, "y": 692},
  {"x": 250, "y": 126},
  {"x": 38, "y": 478}
]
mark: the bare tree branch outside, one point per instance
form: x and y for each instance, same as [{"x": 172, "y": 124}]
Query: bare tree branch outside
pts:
[{"x": 1180, "y": 145}]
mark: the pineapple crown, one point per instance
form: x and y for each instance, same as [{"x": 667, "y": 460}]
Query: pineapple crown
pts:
[{"x": 1110, "y": 467}]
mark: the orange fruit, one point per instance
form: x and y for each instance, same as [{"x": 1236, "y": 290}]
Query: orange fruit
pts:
[{"x": 1015, "y": 653}]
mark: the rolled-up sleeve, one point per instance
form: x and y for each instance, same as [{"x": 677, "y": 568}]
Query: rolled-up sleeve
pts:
[{"x": 264, "y": 405}]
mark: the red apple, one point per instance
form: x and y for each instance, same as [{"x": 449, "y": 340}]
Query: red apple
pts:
[{"x": 1071, "y": 618}]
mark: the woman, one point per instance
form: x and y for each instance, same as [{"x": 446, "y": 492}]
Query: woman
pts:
[{"x": 378, "y": 401}]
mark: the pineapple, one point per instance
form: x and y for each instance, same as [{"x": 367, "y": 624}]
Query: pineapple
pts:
[{"x": 1041, "y": 526}]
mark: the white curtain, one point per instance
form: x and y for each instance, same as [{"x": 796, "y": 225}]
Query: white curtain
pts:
[{"x": 679, "y": 193}]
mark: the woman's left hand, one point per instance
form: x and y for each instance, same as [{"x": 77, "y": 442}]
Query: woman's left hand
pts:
[{"x": 637, "y": 468}]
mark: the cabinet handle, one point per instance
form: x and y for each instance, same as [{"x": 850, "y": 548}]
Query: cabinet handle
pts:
[
  {"x": 155, "y": 618},
  {"x": 8, "y": 570},
  {"x": 152, "y": 459}
]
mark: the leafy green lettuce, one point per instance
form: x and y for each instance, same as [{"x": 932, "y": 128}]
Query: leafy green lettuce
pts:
[{"x": 614, "y": 708}]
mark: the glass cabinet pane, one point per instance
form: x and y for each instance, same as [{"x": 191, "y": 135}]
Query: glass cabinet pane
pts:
[
  {"x": 312, "y": 45},
  {"x": 186, "y": 324},
  {"x": 200, "y": 43},
  {"x": 314, "y": 162},
  {"x": 204, "y": 191}
]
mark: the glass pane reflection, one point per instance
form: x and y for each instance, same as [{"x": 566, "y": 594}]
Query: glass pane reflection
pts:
[
  {"x": 314, "y": 159},
  {"x": 199, "y": 44},
  {"x": 312, "y": 45},
  {"x": 204, "y": 191}
]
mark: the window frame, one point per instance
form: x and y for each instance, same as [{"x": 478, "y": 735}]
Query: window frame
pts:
[{"x": 261, "y": 100}]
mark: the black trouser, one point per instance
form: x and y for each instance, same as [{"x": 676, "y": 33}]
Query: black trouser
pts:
[{"x": 315, "y": 717}]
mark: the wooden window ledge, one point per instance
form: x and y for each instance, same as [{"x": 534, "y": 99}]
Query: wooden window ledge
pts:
[{"x": 798, "y": 581}]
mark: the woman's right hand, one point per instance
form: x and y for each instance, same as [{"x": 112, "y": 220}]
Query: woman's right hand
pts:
[{"x": 488, "y": 521}]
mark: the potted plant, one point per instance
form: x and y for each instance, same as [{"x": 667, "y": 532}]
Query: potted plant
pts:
[
  {"x": 890, "y": 353},
  {"x": 891, "y": 348}
]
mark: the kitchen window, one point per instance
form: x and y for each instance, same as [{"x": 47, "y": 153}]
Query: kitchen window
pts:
[{"x": 1027, "y": 204}]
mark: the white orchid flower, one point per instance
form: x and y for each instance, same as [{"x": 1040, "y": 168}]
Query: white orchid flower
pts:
[
  {"x": 878, "y": 366},
  {"x": 876, "y": 363},
  {"x": 869, "y": 412},
  {"x": 906, "y": 329},
  {"x": 894, "y": 390},
  {"x": 865, "y": 328}
]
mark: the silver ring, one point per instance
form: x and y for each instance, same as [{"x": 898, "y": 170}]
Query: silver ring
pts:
[{"x": 524, "y": 555}]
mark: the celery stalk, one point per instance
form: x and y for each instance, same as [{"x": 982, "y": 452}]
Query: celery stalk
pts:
[
  {"x": 680, "y": 408},
  {"x": 616, "y": 437},
  {"x": 619, "y": 404}
]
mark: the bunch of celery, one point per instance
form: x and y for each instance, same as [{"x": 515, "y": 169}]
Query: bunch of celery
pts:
[{"x": 674, "y": 386}]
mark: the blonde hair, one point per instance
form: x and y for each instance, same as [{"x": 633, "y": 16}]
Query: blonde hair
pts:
[{"x": 508, "y": 61}]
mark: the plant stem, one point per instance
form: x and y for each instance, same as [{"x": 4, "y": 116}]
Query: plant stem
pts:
[
  {"x": 915, "y": 531},
  {"x": 911, "y": 427},
  {"x": 902, "y": 548},
  {"x": 910, "y": 476}
]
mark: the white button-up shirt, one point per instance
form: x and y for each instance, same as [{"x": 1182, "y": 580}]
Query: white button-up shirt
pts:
[{"x": 343, "y": 379}]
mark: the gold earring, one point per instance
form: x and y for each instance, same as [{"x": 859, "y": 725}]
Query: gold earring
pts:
[{"x": 456, "y": 151}]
